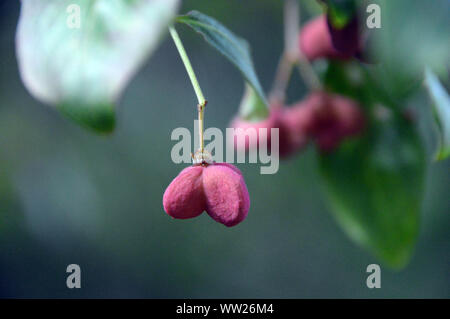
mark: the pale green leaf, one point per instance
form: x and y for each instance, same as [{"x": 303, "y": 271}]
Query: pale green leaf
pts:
[{"x": 84, "y": 70}]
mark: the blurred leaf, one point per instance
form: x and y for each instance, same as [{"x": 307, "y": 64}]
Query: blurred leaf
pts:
[
  {"x": 375, "y": 187},
  {"x": 345, "y": 78},
  {"x": 441, "y": 102},
  {"x": 231, "y": 46},
  {"x": 413, "y": 34},
  {"x": 252, "y": 108},
  {"x": 84, "y": 70},
  {"x": 353, "y": 79}
]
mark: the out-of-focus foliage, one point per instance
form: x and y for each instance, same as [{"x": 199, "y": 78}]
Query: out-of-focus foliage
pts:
[
  {"x": 83, "y": 70},
  {"x": 413, "y": 34},
  {"x": 252, "y": 108},
  {"x": 376, "y": 183},
  {"x": 441, "y": 103},
  {"x": 376, "y": 188}
]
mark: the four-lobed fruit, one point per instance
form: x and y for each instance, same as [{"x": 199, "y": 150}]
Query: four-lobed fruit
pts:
[{"x": 218, "y": 189}]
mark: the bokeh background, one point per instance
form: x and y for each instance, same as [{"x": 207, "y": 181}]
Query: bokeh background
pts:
[{"x": 70, "y": 196}]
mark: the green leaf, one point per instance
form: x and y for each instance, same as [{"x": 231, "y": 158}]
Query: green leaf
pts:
[
  {"x": 83, "y": 71},
  {"x": 441, "y": 102},
  {"x": 345, "y": 78},
  {"x": 252, "y": 108},
  {"x": 231, "y": 46},
  {"x": 375, "y": 186}
]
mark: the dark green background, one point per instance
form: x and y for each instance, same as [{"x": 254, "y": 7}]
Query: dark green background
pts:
[{"x": 70, "y": 196}]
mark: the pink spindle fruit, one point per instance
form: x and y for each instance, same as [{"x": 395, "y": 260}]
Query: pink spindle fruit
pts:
[
  {"x": 319, "y": 39},
  {"x": 295, "y": 128},
  {"x": 350, "y": 117},
  {"x": 218, "y": 189},
  {"x": 315, "y": 41},
  {"x": 322, "y": 117},
  {"x": 335, "y": 117}
]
